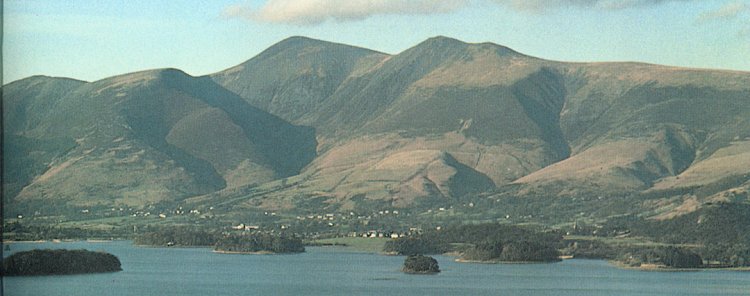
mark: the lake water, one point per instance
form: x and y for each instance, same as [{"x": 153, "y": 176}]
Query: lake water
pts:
[{"x": 338, "y": 271}]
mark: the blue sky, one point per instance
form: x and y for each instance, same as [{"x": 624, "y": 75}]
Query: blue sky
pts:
[{"x": 91, "y": 40}]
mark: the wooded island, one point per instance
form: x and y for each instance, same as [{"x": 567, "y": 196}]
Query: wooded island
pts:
[{"x": 59, "y": 262}]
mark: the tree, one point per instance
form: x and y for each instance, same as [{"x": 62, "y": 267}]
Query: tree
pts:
[
  {"x": 484, "y": 251},
  {"x": 681, "y": 258},
  {"x": 673, "y": 257},
  {"x": 420, "y": 264},
  {"x": 415, "y": 245},
  {"x": 529, "y": 251}
]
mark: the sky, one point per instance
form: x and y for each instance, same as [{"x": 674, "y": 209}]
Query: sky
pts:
[{"x": 92, "y": 40}]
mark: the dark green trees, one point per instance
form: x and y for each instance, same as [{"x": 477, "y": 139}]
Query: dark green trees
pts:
[
  {"x": 484, "y": 251},
  {"x": 727, "y": 255},
  {"x": 260, "y": 242},
  {"x": 512, "y": 251},
  {"x": 529, "y": 251},
  {"x": 178, "y": 236},
  {"x": 59, "y": 262},
  {"x": 420, "y": 264},
  {"x": 415, "y": 245},
  {"x": 673, "y": 257}
]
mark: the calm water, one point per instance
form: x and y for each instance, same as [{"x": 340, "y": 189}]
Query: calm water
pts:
[{"x": 337, "y": 271}]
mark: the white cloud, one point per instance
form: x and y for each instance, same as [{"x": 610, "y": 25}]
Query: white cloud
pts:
[
  {"x": 729, "y": 11},
  {"x": 311, "y": 12},
  {"x": 545, "y": 5}
]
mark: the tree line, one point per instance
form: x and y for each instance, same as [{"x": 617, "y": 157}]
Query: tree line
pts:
[
  {"x": 260, "y": 242},
  {"x": 245, "y": 242},
  {"x": 482, "y": 242},
  {"x": 179, "y": 236}
]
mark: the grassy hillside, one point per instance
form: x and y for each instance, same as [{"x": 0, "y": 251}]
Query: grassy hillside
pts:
[
  {"x": 25, "y": 105},
  {"x": 146, "y": 137}
]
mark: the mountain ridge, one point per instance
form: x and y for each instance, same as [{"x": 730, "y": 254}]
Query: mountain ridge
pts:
[
  {"x": 439, "y": 122},
  {"x": 146, "y": 122}
]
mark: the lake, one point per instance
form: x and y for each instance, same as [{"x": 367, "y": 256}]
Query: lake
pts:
[{"x": 339, "y": 271}]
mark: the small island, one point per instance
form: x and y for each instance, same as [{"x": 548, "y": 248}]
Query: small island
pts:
[
  {"x": 420, "y": 264},
  {"x": 59, "y": 262}
]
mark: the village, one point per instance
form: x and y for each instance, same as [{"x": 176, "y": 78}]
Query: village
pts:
[{"x": 333, "y": 221}]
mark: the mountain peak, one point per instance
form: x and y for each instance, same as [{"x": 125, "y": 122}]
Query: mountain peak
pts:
[
  {"x": 441, "y": 38},
  {"x": 163, "y": 74},
  {"x": 299, "y": 41},
  {"x": 442, "y": 41}
]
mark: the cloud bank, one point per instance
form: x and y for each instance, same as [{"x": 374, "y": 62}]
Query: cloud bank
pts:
[
  {"x": 731, "y": 10},
  {"x": 545, "y": 5},
  {"x": 311, "y": 12}
]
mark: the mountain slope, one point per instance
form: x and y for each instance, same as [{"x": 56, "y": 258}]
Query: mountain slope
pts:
[
  {"x": 158, "y": 135},
  {"x": 438, "y": 93},
  {"x": 442, "y": 122},
  {"x": 566, "y": 127},
  {"x": 291, "y": 78},
  {"x": 30, "y": 101},
  {"x": 635, "y": 123}
]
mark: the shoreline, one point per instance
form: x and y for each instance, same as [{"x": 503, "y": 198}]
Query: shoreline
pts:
[
  {"x": 247, "y": 253},
  {"x": 56, "y": 241},
  {"x": 25, "y": 242},
  {"x": 420, "y": 272},
  {"x": 175, "y": 246},
  {"x": 663, "y": 268},
  {"x": 459, "y": 260}
]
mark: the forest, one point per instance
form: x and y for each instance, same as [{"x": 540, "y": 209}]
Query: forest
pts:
[
  {"x": 178, "y": 236},
  {"x": 483, "y": 242},
  {"x": 239, "y": 242},
  {"x": 59, "y": 262},
  {"x": 260, "y": 242}
]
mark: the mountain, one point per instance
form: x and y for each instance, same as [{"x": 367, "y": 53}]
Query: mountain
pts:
[
  {"x": 24, "y": 156},
  {"x": 294, "y": 76},
  {"x": 429, "y": 100},
  {"x": 141, "y": 138},
  {"x": 553, "y": 127},
  {"x": 309, "y": 124},
  {"x": 638, "y": 124}
]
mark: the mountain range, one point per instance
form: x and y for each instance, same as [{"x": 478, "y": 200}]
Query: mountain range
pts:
[{"x": 314, "y": 124}]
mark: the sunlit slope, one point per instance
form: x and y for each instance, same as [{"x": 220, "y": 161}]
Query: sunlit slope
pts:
[
  {"x": 631, "y": 125},
  {"x": 564, "y": 127}
]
